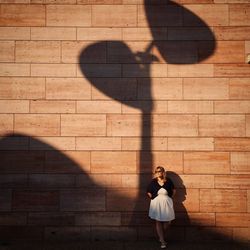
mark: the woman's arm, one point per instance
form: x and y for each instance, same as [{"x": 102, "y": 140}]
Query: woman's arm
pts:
[
  {"x": 149, "y": 195},
  {"x": 174, "y": 192}
]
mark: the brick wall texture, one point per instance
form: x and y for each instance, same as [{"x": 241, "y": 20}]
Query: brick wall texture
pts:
[{"x": 96, "y": 93}]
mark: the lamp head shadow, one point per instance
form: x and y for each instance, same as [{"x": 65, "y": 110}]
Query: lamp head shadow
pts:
[
  {"x": 188, "y": 42},
  {"x": 189, "y": 39}
]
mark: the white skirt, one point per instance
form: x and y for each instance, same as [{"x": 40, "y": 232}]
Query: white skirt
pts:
[{"x": 161, "y": 207}]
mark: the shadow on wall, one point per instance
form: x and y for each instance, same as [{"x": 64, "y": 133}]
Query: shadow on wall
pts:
[
  {"x": 118, "y": 72},
  {"x": 46, "y": 195}
]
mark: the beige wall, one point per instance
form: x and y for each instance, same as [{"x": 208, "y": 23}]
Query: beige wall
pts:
[{"x": 78, "y": 167}]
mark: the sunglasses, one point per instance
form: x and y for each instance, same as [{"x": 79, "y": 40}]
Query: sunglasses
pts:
[{"x": 158, "y": 171}]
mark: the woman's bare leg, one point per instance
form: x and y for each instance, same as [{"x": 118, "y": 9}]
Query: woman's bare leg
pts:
[
  {"x": 166, "y": 225},
  {"x": 159, "y": 230}
]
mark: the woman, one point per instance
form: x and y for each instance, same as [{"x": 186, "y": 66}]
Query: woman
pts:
[{"x": 161, "y": 191}]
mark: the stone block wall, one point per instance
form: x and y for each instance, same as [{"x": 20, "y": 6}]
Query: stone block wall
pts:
[{"x": 96, "y": 93}]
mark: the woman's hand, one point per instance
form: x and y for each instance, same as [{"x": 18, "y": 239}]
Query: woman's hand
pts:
[{"x": 149, "y": 195}]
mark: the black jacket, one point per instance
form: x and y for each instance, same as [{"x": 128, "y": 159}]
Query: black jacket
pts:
[{"x": 154, "y": 187}]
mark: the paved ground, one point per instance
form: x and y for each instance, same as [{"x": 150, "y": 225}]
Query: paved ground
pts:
[{"x": 117, "y": 245}]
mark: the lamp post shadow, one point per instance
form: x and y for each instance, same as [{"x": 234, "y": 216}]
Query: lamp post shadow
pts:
[{"x": 178, "y": 48}]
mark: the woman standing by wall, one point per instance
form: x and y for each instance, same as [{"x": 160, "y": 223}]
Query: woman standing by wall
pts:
[{"x": 161, "y": 191}]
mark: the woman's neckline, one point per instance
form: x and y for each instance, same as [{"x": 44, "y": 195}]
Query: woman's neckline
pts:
[{"x": 161, "y": 185}]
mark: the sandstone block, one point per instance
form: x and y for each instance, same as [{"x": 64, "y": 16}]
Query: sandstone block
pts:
[
  {"x": 232, "y": 33},
  {"x": 99, "y": 34},
  {"x": 51, "y": 33},
  {"x": 172, "y": 161},
  {"x": 187, "y": 200},
  {"x": 124, "y": 125},
  {"x": 51, "y": 181},
  {"x": 191, "y": 144},
  {"x": 225, "y": 52},
  {"x": 154, "y": 143},
  {"x": 100, "y": 70},
  {"x": 99, "y": 219},
  {"x": 128, "y": 198},
  {"x": 239, "y": 181},
  {"x": 6, "y": 124},
  {"x": 232, "y": 144},
  {"x": 38, "y": 51},
  {"x": 220, "y": 200},
  {"x": 241, "y": 234},
  {"x": 159, "y": 16},
  {"x": 53, "y": 70},
  {"x": 231, "y": 70},
  {"x": 14, "y": 69},
  {"x": 14, "y": 106},
  {"x": 232, "y": 107},
  {"x": 52, "y": 107},
  {"x": 51, "y": 219},
  {"x": 22, "y": 15},
  {"x": 212, "y": 15},
  {"x": 121, "y": 16},
  {"x": 239, "y": 14},
  {"x": 247, "y": 125},
  {"x": 7, "y": 51},
  {"x": 206, "y": 163},
  {"x": 52, "y": 143},
  {"x": 67, "y": 233},
  {"x": 113, "y": 162},
  {"x": 37, "y": 124},
  {"x": 195, "y": 181},
  {"x": 9, "y": 219},
  {"x": 82, "y": 200},
  {"x": 98, "y": 143},
  {"x": 144, "y": 34},
  {"x": 68, "y": 15},
  {"x": 232, "y": 219},
  {"x": 240, "y": 162},
  {"x": 175, "y": 125},
  {"x": 188, "y": 34},
  {"x": 14, "y": 143},
  {"x": 83, "y": 125},
  {"x": 22, "y": 232},
  {"x": 22, "y": 88},
  {"x": 114, "y": 88},
  {"x": 190, "y": 70},
  {"x": 222, "y": 125},
  {"x": 68, "y": 89},
  {"x": 111, "y": 234},
  {"x": 160, "y": 89},
  {"x": 21, "y": 162},
  {"x": 5, "y": 200},
  {"x": 28, "y": 200},
  {"x": 71, "y": 51},
  {"x": 67, "y": 162},
  {"x": 13, "y": 180},
  {"x": 101, "y": 107},
  {"x": 189, "y": 107},
  {"x": 205, "y": 88},
  {"x": 99, "y": 179},
  {"x": 14, "y": 33}
]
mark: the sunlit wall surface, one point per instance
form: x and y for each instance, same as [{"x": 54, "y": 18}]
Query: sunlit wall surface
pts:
[{"x": 96, "y": 93}]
